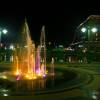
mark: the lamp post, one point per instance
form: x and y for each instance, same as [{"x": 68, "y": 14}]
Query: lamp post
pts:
[
  {"x": 2, "y": 31},
  {"x": 90, "y": 32}
]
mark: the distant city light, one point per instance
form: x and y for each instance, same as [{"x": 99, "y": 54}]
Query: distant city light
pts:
[
  {"x": 94, "y": 30},
  {"x": 83, "y": 29},
  {"x": 11, "y": 47},
  {"x": 49, "y": 43},
  {"x": 5, "y": 94},
  {"x": 5, "y": 48},
  {"x": 60, "y": 46},
  {"x": 94, "y": 97},
  {"x": 80, "y": 46}
]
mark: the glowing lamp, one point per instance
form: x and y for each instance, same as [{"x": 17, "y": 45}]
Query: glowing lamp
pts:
[
  {"x": 4, "y": 31},
  {"x": 83, "y": 29},
  {"x": 94, "y": 30}
]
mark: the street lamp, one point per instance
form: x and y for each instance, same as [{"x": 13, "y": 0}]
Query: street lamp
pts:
[
  {"x": 89, "y": 30},
  {"x": 94, "y": 30},
  {"x": 83, "y": 29},
  {"x": 2, "y": 31}
]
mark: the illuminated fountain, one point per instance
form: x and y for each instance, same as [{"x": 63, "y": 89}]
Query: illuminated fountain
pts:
[
  {"x": 30, "y": 62},
  {"x": 29, "y": 71}
]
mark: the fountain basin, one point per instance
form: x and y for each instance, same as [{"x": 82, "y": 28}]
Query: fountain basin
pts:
[{"x": 37, "y": 86}]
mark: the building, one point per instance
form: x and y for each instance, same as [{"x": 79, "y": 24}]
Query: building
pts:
[{"x": 87, "y": 43}]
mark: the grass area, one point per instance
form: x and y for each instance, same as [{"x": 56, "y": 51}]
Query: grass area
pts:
[
  {"x": 5, "y": 66},
  {"x": 57, "y": 64},
  {"x": 64, "y": 64}
]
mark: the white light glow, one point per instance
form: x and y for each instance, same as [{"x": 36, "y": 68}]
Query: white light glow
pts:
[
  {"x": 83, "y": 29},
  {"x": 11, "y": 47},
  {"x": 5, "y": 94},
  {"x": 94, "y": 30},
  {"x": 4, "y": 31}
]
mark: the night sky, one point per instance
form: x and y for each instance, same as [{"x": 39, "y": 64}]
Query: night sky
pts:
[{"x": 60, "y": 20}]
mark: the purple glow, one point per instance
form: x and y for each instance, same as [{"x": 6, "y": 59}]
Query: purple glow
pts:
[
  {"x": 38, "y": 59},
  {"x": 18, "y": 77},
  {"x": 37, "y": 71},
  {"x": 44, "y": 75}
]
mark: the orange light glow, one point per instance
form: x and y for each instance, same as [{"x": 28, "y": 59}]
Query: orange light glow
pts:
[
  {"x": 39, "y": 74},
  {"x": 27, "y": 76},
  {"x": 34, "y": 77},
  {"x": 17, "y": 73}
]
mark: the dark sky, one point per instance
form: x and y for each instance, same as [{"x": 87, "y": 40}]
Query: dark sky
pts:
[{"x": 60, "y": 19}]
